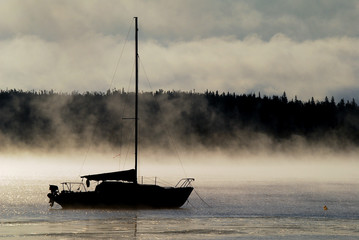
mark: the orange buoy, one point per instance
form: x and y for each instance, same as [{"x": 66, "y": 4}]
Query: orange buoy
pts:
[{"x": 325, "y": 208}]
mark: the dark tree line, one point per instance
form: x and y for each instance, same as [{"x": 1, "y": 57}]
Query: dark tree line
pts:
[
  {"x": 211, "y": 120},
  {"x": 281, "y": 119}
]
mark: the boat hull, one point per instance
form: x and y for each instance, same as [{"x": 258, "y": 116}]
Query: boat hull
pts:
[{"x": 124, "y": 195}]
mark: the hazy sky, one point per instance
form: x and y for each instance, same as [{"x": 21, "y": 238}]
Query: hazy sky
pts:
[{"x": 304, "y": 47}]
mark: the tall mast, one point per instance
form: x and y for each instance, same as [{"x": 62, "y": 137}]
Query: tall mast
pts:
[{"x": 136, "y": 99}]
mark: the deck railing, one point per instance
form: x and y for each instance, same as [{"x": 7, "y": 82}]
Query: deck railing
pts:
[
  {"x": 69, "y": 186},
  {"x": 184, "y": 182}
]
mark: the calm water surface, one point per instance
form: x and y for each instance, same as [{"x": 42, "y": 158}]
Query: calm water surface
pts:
[{"x": 237, "y": 210}]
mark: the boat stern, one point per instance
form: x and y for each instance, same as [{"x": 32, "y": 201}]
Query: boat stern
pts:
[{"x": 54, "y": 192}]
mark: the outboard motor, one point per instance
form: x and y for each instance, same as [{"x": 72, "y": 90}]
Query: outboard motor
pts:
[{"x": 54, "y": 192}]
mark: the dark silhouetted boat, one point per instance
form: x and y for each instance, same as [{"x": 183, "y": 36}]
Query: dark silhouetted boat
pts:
[{"x": 120, "y": 189}]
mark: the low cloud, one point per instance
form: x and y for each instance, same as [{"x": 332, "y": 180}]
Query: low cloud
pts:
[
  {"x": 311, "y": 68},
  {"x": 304, "y": 48}
]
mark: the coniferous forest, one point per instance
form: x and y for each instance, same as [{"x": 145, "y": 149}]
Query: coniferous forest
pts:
[{"x": 210, "y": 120}]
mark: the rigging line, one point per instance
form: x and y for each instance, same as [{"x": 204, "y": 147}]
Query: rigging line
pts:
[
  {"x": 89, "y": 146},
  {"x": 166, "y": 129},
  {"x": 123, "y": 109},
  {"x": 124, "y": 102},
  {"x": 128, "y": 150},
  {"x": 85, "y": 158},
  {"x": 111, "y": 83},
  {"x": 144, "y": 71},
  {"x": 175, "y": 149},
  {"x": 139, "y": 149},
  {"x": 120, "y": 57}
]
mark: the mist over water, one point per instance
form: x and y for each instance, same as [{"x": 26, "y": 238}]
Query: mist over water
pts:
[
  {"x": 250, "y": 182},
  {"x": 249, "y": 196},
  {"x": 206, "y": 165}
]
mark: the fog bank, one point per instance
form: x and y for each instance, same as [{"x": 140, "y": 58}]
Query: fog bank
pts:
[{"x": 208, "y": 168}]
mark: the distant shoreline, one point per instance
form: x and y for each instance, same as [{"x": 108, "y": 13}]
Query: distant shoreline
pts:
[{"x": 46, "y": 119}]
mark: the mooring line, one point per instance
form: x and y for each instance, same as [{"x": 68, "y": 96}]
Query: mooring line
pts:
[{"x": 201, "y": 198}]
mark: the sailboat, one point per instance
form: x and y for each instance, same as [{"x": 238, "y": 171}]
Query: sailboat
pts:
[{"x": 121, "y": 189}]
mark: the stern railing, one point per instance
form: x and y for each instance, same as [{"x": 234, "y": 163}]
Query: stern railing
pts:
[{"x": 69, "y": 186}]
